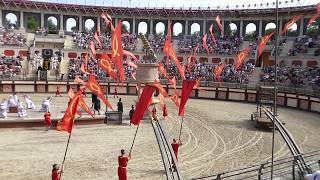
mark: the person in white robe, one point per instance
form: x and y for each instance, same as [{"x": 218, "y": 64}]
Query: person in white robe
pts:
[
  {"x": 22, "y": 111},
  {"x": 45, "y": 107},
  {"x": 3, "y": 108},
  {"x": 12, "y": 101},
  {"x": 30, "y": 103}
]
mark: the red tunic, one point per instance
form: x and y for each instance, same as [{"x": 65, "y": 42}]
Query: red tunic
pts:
[
  {"x": 115, "y": 91},
  {"x": 165, "y": 111},
  {"x": 122, "y": 169},
  {"x": 58, "y": 93},
  {"x": 175, "y": 147},
  {"x": 55, "y": 175},
  {"x": 47, "y": 119},
  {"x": 154, "y": 112}
]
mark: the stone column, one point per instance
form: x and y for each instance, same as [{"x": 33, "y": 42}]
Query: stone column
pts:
[
  {"x": 280, "y": 26},
  {"x": 1, "y": 18},
  {"x": 98, "y": 22},
  {"x": 61, "y": 31},
  {"x": 301, "y": 27},
  {"x": 80, "y": 23},
  {"x": 21, "y": 22},
  {"x": 151, "y": 28},
  {"x": 241, "y": 29},
  {"x": 115, "y": 22},
  {"x": 186, "y": 28},
  {"x": 42, "y": 20},
  {"x": 133, "y": 26},
  {"x": 223, "y": 27},
  {"x": 204, "y": 27},
  {"x": 260, "y": 28}
]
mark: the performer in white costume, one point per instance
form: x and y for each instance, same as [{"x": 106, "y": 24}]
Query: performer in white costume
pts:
[
  {"x": 3, "y": 108},
  {"x": 30, "y": 104},
  {"x": 12, "y": 101},
  {"x": 22, "y": 111},
  {"x": 45, "y": 107}
]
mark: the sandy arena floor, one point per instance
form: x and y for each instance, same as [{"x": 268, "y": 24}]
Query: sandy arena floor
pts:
[{"x": 216, "y": 136}]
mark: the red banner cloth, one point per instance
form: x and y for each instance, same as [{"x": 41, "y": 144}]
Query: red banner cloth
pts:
[
  {"x": 241, "y": 57},
  {"x": 187, "y": 87},
  {"x": 104, "y": 63},
  {"x": 117, "y": 51},
  {"x": 262, "y": 44}
]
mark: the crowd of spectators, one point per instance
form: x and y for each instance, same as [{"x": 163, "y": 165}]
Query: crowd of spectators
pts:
[
  {"x": 41, "y": 31},
  {"x": 301, "y": 45},
  {"x": 9, "y": 66},
  {"x": 225, "y": 45},
  {"x": 8, "y": 37},
  {"x": 157, "y": 43},
  {"x": 83, "y": 39},
  {"x": 296, "y": 76}
]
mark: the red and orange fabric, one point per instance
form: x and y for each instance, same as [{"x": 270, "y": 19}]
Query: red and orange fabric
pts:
[
  {"x": 130, "y": 54},
  {"x": 187, "y": 87},
  {"x": 162, "y": 91},
  {"x": 47, "y": 119},
  {"x": 290, "y": 23},
  {"x": 83, "y": 105},
  {"x": 97, "y": 38},
  {"x": 175, "y": 98},
  {"x": 107, "y": 20},
  {"x": 142, "y": 104},
  {"x": 315, "y": 17},
  {"x": 204, "y": 43},
  {"x": 218, "y": 70},
  {"x": 163, "y": 71},
  {"x": 117, "y": 51},
  {"x": 262, "y": 44},
  {"x": 93, "y": 49},
  {"x": 212, "y": 34},
  {"x": 70, "y": 93},
  {"x": 218, "y": 20},
  {"x": 241, "y": 57},
  {"x": 173, "y": 82},
  {"x": 94, "y": 86},
  {"x": 104, "y": 63}
]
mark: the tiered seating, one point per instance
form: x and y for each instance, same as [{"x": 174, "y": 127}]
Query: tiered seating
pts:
[{"x": 10, "y": 38}]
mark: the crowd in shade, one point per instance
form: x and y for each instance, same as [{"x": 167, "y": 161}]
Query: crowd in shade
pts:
[
  {"x": 83, "y": 39},
  {"x": 301, "y": 45},
  {"x": 41, "y": 31},
  {"x": 9, "y": 66},
  {"x": 157, "y": 43},
  {"x": 8, "y": 37},
  {"x": 225, "y": 45},
  {"x": 293, "y": 76}
]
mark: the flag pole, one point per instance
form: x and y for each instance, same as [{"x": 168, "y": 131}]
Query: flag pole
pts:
[
  {"x": 134, "y": 139},
  {"x": 65, "y": 154},
  {"x": 181, "y": 128}
]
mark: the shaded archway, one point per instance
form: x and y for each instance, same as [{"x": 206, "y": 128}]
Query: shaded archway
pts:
[
  {"x": 195, "y": 28},
  {"x": 143, "y": 27},
  {"x": 10, "y": 21},
  {"x": 177, "y": 29},
  {"x": 160, "y": 28},
  {"x": 293, "y": 30},
  {"x": 52, "y": 25},
  {"x": 125, "y": 26},
  {"x": 270, "y": 27},
  {"x": 71, "y": 25},
  {"x": 251, "y": 31},
  {"x": 89, "y": 25},
  {"x": 232, "y": 29}
]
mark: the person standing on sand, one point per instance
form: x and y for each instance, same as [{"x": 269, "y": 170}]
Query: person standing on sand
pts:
[
  {"x": 165, "y": 111},
  {"x": 120, "y": 106},
  {"x": 56, "y": 172},
  {"x": 123, "y": 161},
  {"x": 175, "y": 146}
]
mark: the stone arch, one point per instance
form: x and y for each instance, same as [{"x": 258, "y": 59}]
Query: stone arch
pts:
[
  {"x": 52, "y": 24},
  {"x": 195, "y": 27},
  {"x": 177, "y": 29},
  {"x": 71, "y": 24},
  {"x": 89, "y": 25},
  {"x": 10, "y": 20},
  {"x": 160, "y": 28},
  {"x": 127, "y": 26},
  {"x": 143, "y": 27},
  {"x": 250, "y": 30}
]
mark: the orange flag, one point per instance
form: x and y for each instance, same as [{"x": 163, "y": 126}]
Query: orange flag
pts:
[
  {"x": 313, "y": 19},
  {"x": 162, "y": 91},
  {"x": 262, "y": 44},
  {"x": 83, "y": 105},
  {"x": 212, "y": 34},
  {"x": 161, "y": 100},
  {"x": 290, "y": 23},
  {"x": 192, "y": 57},
  {"x": 218, "y": 20},
  {"x": 175, "y": 98},
  {"x": 130, "y": 54},
  {"x": 94, "y": 86},
  {"x": 117, "y": 51},
  {"x": 241, "y": 57},
  {"x": 218, "y": 70},
  {"x": 173, "y": 82},
  {"x": 163, "y": 71},
  {"x": 104, "y": 63},
  {"x": 70, "y": 93},
  {"x": 142, "y": 104},
  {"x": 66, "y": 123},
  {"x": 97, "y": 38},
  {"x": 78, "y": 80},
  {"x": 204, "y": 42},
  {"x": 187, "y": 87},
  {"x": 93, "y": 49},
  {"x": 107, "y": 20}
]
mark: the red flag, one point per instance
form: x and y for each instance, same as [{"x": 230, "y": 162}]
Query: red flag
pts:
[
  {"x": 168, "y": 50},
  {"x": 212, "y": 34},
  {"x": 241, "y": 57},
  {"x": 98, "y": 29},
  {"x": 132, "y": 64},
  {"x": 204, "y": 42},
  {"x": 218, "y": 20},
  {"x": 290, "y": 23},
  {"x": 187, "y": 87},
  {"x": 169, "y": 33},
  {"x": 197, "y": 85},
  {"x": 97, "y": 38},
  {"x": 93, "y": 49},
  {"x": 142, "y": 104},
  {"x": 218, "y": 70},
  {"x": 94, "y": 86},
  {"x": 107, "y": 20},
  {"x": 104, "y": 63},
  {"x": 117, "y": 51},
  {"x": 262, "y": 44},
  {"x": 192, "y": 57},
  {"x": 173, "y": 82},
  {"x": 175, "y": 98},
  {"x": 78, "y": 80},
  {"x": 161, "y": 100},
  {"x": 66, "y": 123},
  {"x": 313, "y": 19},
  {"x": 163, "y": 71},
  {"x": 162, "y": 91},
  {"x": 70, "y": 93},
  {"x": 83, "y": 105},
  {"x": 83, "y": 69},
  {"x": 130, "y": 54}
]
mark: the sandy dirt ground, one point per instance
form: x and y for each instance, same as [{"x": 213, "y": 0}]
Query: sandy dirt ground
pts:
[{"x": 216, "y": 136}]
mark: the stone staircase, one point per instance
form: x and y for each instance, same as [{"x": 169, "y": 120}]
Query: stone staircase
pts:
[
  {"x": 286, "y": 48},
  {"x": 30, "y": 39},
  {"x": 69, "y": 44},
  {"x": 255, "y": 77},
  {"x": 245, "y": 44}
]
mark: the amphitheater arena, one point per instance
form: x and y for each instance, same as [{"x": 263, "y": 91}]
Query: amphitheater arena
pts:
[{"x": 219, "y": 139}]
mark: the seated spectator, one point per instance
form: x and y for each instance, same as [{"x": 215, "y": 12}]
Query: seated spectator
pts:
[{"x": 8, "y": 37}]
